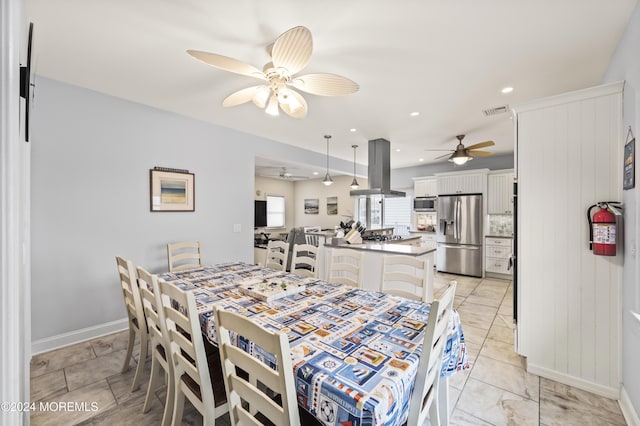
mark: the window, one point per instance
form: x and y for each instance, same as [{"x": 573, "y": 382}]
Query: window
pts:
[
  {"x": 275, "y": 211},
  {"x": 397, "y": 214},
  {"x": 375, "y": 211},
  {"x": 389, "y": 212}
]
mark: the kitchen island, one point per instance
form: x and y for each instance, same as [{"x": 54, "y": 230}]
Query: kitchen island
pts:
[{"x": 372, "y": 261}]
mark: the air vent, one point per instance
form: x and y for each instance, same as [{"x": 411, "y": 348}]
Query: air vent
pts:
[{"x": 495, "y": 111}]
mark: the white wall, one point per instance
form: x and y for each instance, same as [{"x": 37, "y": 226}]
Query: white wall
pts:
[
  {"x": 625, "y": 65},
  {"x": 314, "y": 188},
  {"x": 91, "y": 156},
  {"x": 14, "y": 218}
]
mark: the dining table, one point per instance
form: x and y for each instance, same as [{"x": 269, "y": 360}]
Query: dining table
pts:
[{"x": 354, "y": 352}]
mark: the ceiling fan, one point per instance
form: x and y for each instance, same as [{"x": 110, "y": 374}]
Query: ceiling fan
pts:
[
  {"x": 284, "y": 174},
  {"x": 462, "y": 154},
  {"x": 290, "y": 53}
]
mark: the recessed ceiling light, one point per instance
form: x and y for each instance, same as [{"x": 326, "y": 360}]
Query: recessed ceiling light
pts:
[
  {"x": 507, "y": 89},
  {"x": 414, "y": 114},
  {"x": 315, "y": 173},
  {"x": 397, "y": 149},
  {"x": 353, "y": 130},
  {"x": 420, "y": 159}
]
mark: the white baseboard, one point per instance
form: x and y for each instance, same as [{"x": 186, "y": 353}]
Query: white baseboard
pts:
[
  {"x": 606, "y": 391},
  {"x": 77, "y": 336},
  {"x": 629, "y": 413}
]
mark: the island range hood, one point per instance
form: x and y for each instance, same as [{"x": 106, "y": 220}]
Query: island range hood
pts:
[{"x": 379, "y": 173}]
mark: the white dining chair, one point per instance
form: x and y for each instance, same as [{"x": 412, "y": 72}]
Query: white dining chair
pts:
[
  {"x": 303, "y": 261},
  {"x": 191, "y": 373},
  {"x": 135, "y": 316},
  {"x": 277, "y": 255},
  {"x": 313, "y": 240},
  {"x": 424, "y": 400},
  {"x": 184, "y": 255},
  {"x": 406, "y": 276},
  {"x": 253, "y": 397},
  {"x": 345, "y": 266},
  {"x": 158, "y": 337}
]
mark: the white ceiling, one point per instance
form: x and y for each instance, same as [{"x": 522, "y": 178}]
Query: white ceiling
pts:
[{"x": 448, "y": 60}]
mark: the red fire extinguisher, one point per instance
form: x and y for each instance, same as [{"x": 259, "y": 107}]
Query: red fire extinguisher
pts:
[{"x": 602, "y": 230}]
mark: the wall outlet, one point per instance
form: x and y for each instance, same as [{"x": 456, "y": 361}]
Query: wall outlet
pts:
[{"x": 237, "y": 227}]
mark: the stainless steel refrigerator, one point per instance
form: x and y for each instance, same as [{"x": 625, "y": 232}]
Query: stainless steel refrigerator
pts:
[{"x": 459, "y": 234}]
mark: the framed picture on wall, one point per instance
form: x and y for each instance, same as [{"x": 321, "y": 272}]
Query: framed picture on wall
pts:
[
  {"x": 629, "y": 177},
  {"x": 332, "y": 205},
  {"x": 171, "y": 190},
  {"x": 311, "y": 205}
]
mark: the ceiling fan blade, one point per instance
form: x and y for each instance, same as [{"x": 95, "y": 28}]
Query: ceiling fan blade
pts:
[
  {"x": 435, "y": 149},
  {"x": 241, "y": 96},
  {"x": 294, "y": 104},
  {"x": 292, "y": 50},
  {"x": 476, "y": 153},
  {"x": 442, "y": 156},
  {"x": 324, "y": 84},
  {"x": 481, "y": 145},
  {"x": 227, "y": 64}
]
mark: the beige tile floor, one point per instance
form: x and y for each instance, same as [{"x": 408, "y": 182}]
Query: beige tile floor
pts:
[{"x": 496, "y": 390}]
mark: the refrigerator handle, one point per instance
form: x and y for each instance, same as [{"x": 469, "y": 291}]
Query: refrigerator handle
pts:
[
  {"x": 459, "y": 247},
  {"x": 458, "y": 214},
  {"x": 454, "y": 222}
]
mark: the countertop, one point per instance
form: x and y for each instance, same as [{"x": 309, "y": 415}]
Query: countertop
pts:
[
  {"x": 390, "y": 248},
  {"x": 422, "y": 232},
  {"x": 400, "y": 241}
]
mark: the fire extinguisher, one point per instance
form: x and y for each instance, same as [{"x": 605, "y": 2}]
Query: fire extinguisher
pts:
[{"x": 602, "y": 229}]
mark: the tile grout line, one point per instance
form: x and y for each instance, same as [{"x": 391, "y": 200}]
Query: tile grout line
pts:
[{"x": 479, "y": 353}]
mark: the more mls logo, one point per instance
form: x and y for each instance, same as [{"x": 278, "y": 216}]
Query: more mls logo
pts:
[{"x": 69, "y": 406}]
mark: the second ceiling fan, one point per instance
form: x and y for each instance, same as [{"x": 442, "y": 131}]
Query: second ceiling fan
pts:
[
  {"x": 462, "y": 154},
  {"x": 290, "y": 53}
]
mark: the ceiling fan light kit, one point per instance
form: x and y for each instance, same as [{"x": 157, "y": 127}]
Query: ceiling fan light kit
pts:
[
  {"x": 460, "y": 157},
  {"x": 272, "y": 108},
  {"x": 290, "y": 53}
]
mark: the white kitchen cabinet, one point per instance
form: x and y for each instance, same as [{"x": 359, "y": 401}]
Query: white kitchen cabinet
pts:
[
  {"x": 470, "y": 183},
  {"x": 425, "y": 187},
  {"x": 500, "y": 193},
  {"x": 429, "y": 240},
  {"x": 497, "y": 253}
]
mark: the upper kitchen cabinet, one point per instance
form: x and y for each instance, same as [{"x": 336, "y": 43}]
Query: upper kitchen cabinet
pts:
[
  {"x": 500, "y": 193},
  {"x": 471, "y": 182},
  {"x": 425, "y": 187}
]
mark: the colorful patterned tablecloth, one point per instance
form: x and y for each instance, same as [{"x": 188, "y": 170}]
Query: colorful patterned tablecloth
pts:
[{"x": 355, "y": 353}]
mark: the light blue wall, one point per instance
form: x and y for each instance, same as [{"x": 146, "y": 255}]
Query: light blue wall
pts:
[
  {"x": 91, "y": 156},
  {"x": 625, "y": 65},
  {"x": 402, "y": 178}
]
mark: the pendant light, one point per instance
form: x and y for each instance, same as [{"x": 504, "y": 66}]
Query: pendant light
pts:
[
  {"x": 354, "y": 184},
  {"x": 327, "y": 178}
]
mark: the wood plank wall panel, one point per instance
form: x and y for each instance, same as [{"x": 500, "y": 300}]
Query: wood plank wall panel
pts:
[{"x": 569, "y": 157}]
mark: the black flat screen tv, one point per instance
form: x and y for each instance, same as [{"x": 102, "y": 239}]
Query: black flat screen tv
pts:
[{"x": 260, "y": 213}]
